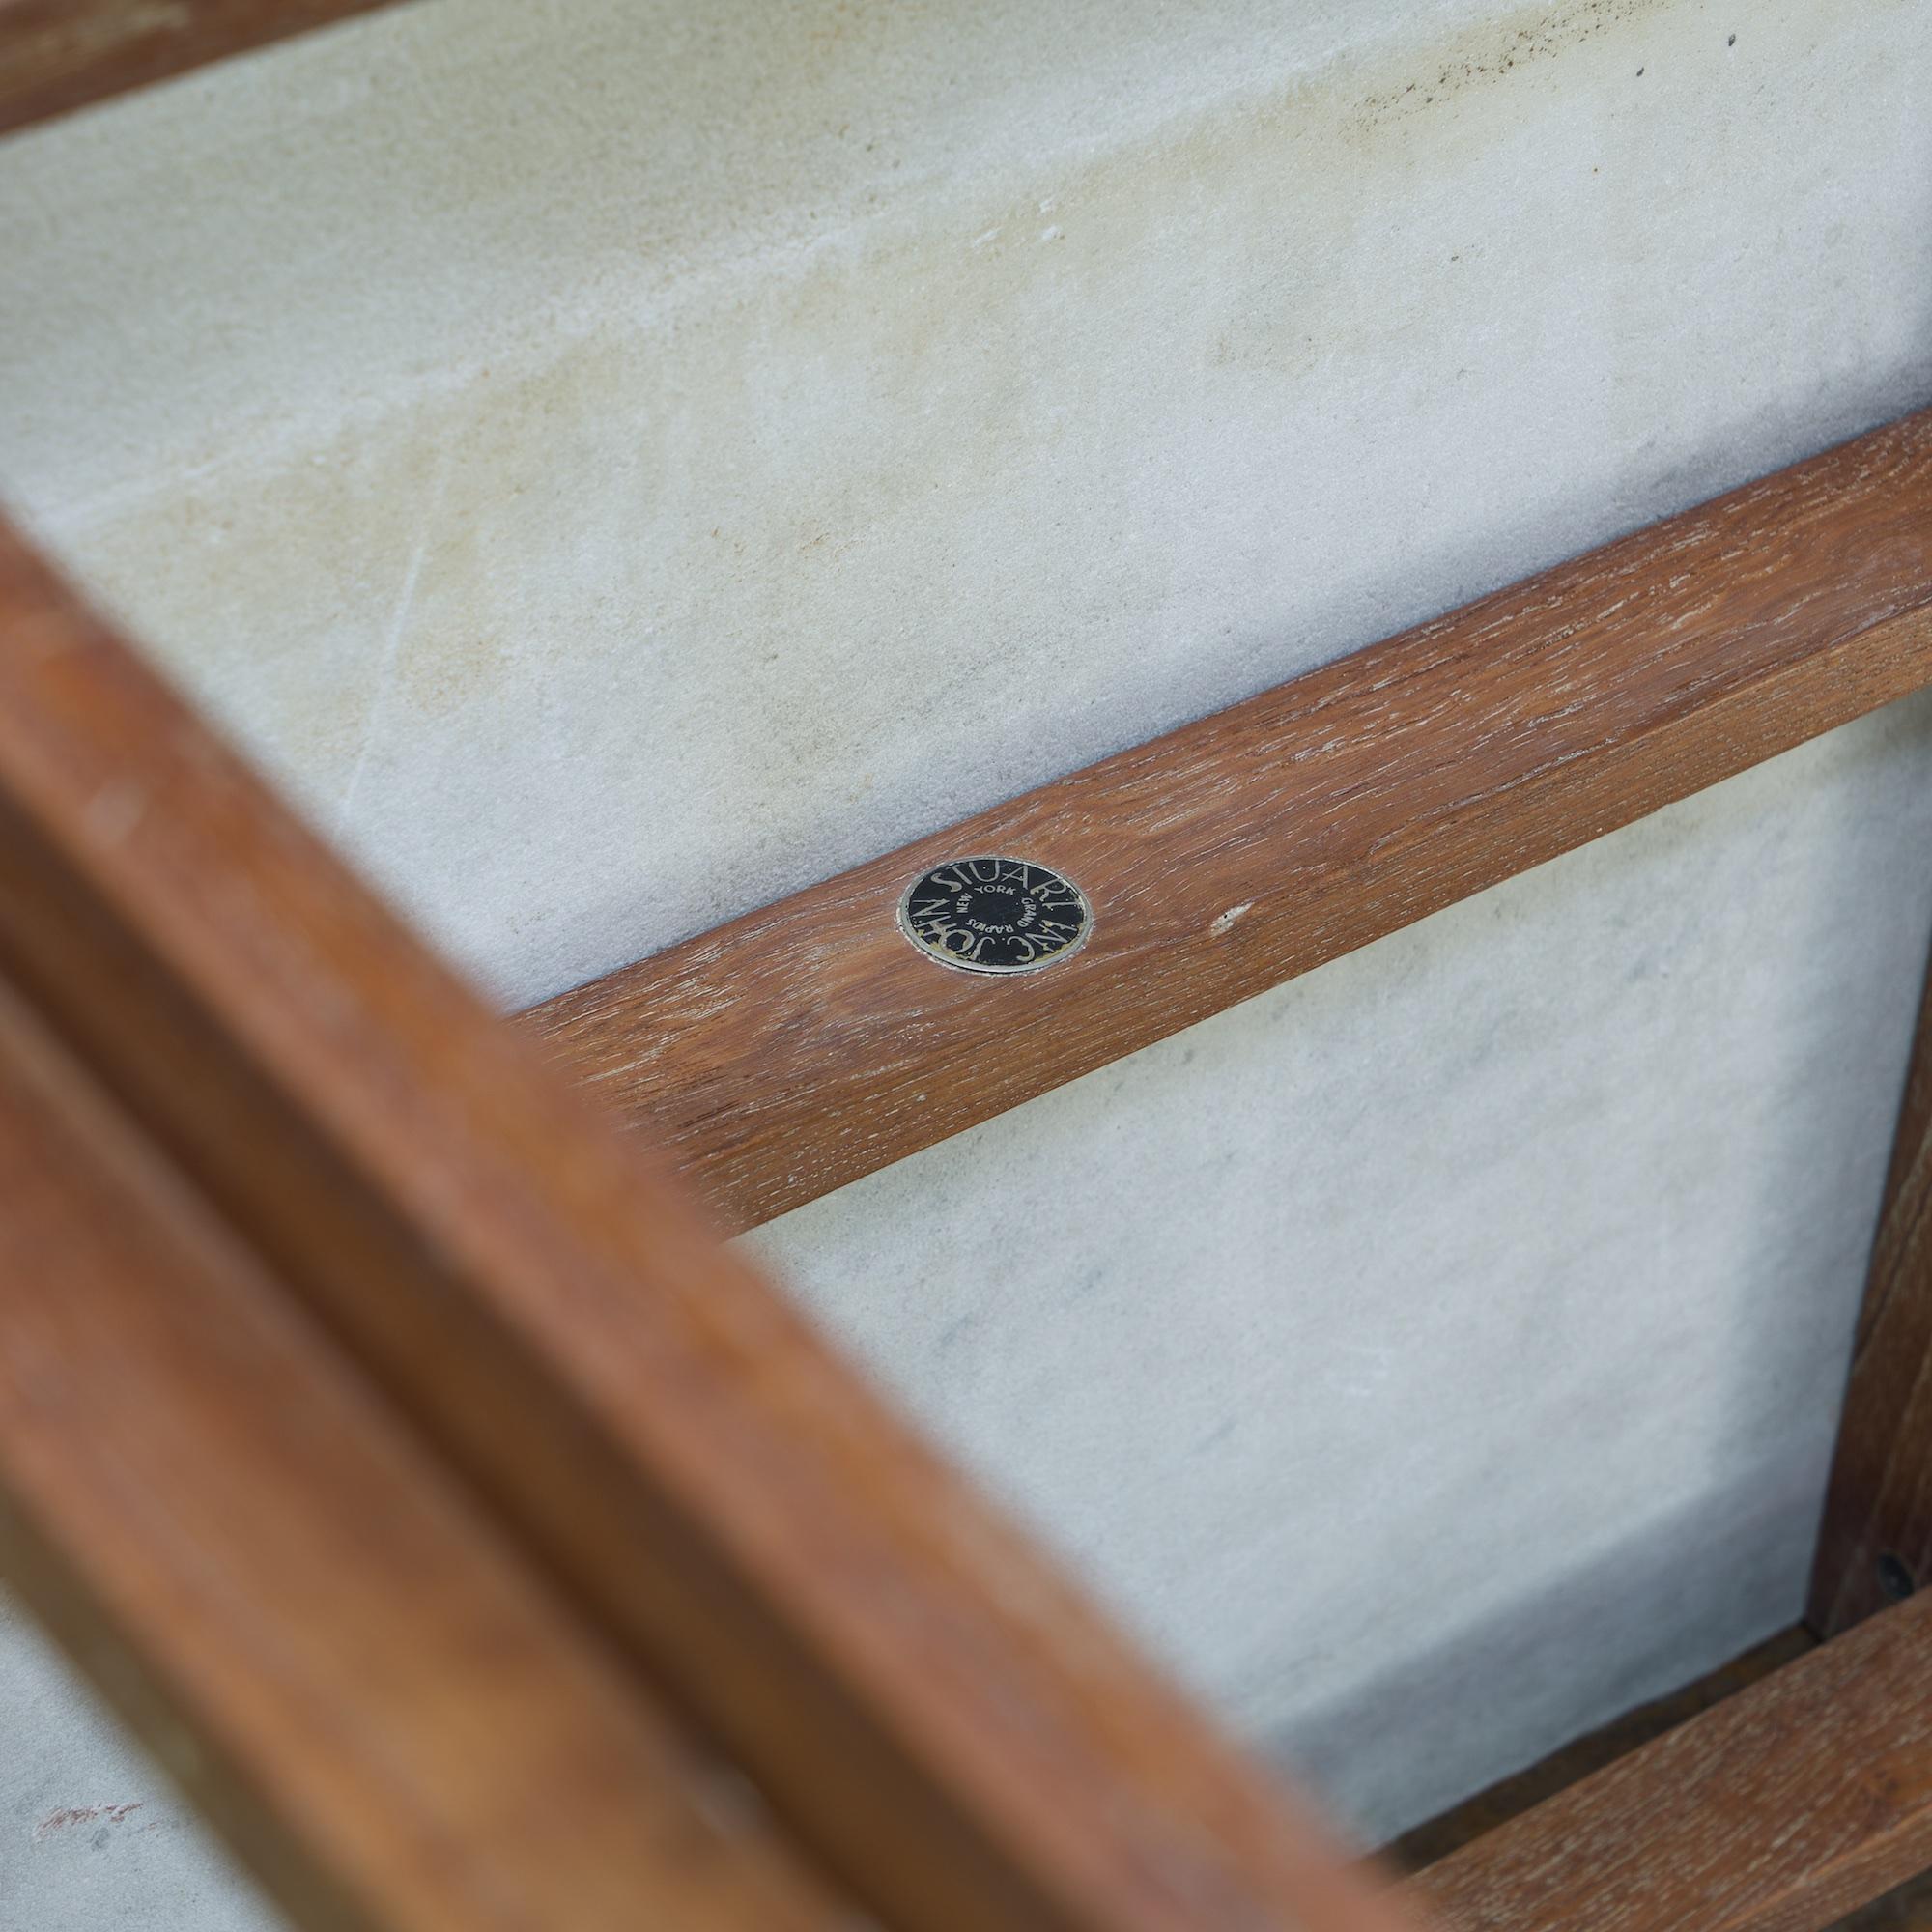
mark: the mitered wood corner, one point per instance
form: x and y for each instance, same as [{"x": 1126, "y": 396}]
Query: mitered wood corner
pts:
[{"x": 798, "y": 1048}]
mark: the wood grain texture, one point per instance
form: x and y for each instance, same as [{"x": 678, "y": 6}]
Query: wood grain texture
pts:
[
  {"x": 1879, "y": 1503},
  {"x": 1429, "y": 1843},
  {"x": 58, "y": 55},
  {"x": 922, "y": 1699},
  {"x": 791, "y": 1051},
  {"x": 1781, "y": 1810},
  {"x": 313, "y": 1627}
]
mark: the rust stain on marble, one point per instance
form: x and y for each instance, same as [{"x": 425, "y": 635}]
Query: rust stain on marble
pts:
[{"x": 67, "y": 1816}]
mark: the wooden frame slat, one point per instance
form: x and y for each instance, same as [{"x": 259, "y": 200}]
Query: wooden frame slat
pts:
[
  {"x": 922, "y": 1701},
  {"x": 1510, "y": 1797},
  {"x": 1876, "y": 1543},
  {"x": 59, "y": 55},
  {"x": 794, "y": 1050},
  {"x": 1784, "y": 1808},
  {"x": 344, "y": 1662}
]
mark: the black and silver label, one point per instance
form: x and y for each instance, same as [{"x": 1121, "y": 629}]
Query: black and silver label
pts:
[{"x": 990, "y": 914}]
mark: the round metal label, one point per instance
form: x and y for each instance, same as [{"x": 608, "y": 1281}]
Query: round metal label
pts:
[{"x": 992, "y": 915}]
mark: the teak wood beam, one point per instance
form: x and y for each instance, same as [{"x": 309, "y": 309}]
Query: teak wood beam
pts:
[
  {"x": 1876, "y": 1544},
  {"x": 922, "y": 1701},
  {"x": 59, "y": 55},
  {"x": 320, "y": 1635},
  {"x": 796, "y": 1049},
  {"x": 1781, "y": 1810}
]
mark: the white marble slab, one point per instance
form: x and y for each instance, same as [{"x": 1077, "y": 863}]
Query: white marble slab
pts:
[
  {"x": 92, "y": 1837},
  {"x": 1441, "y": 1353},
  {"x": 619, "y": 461},
  {"x": 620, "y": 464}
]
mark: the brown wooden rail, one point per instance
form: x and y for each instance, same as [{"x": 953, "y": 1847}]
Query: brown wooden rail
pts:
[
  {"x": 1789, "y": 1806},
  {"x": 58, "y": 55},
  {"x": 384, "y": 1441},
  {"x": 389, "y": 1443},
  {"x": 1877, "y": 1540},
  {"x": 796, "y": 1049},
  {"x": 321, "y": 1635},
  {"x": 734, "y": 1516}
]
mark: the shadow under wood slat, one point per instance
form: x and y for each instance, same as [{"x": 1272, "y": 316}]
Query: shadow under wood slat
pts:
[
  {"x": 795, "y": 1050},
  {"x": 1785, "y": 1807},
  {"x": 1435, "y": 1840},
  {"x": 1878, "y": 1509},
  {"x": 311, "y": 1623},
  {"x": 60, "y": 55},
  {"x": 922, "y": 1701}
]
